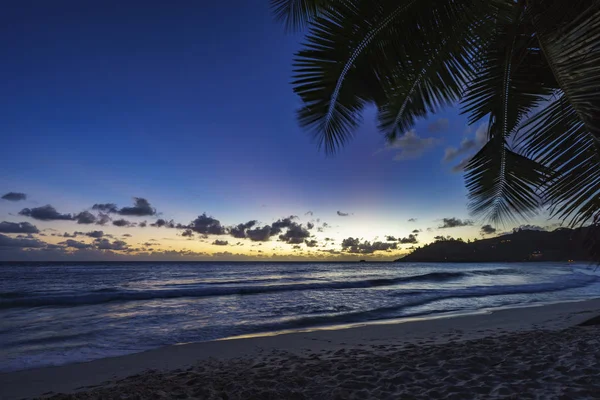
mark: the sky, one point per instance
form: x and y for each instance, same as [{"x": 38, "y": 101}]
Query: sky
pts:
[{"x": 119, "y": 115}]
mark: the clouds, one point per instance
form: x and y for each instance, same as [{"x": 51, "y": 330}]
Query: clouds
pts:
[
  {"x": 412, "y": 220},
  {"x": 207, "y": 225},
  {"x": 488, "y": 230},
  {"x": 239, "y": 231},
  {"x": 311, "y": 243},
  {"x": 7, "y": 241},
  {"x": 529, "y": 228},
  {"x": 85, "y": 217},
  {"x": 220, "y": 242},
  {"x": 262, "y": 234},
  {"x": 354, "y": 245},
  {"x": 411, "y": 146},
  {"x": 123, "y": 223},
  {"x": 439, "y": 125},
  {"x": 295, "y": 234},
  {"x": 141, "y": 208},
  {"x": 162, "y": 222},
  {"x": 106, "y": 207},
  {"x": 342, "y": 214},
  {"x": 452, "y": 152},
  {"x": 102, "y": 219},
  {"x": 76, "y": 244},
  {"x": 454, "y": 223},
  {"x": 468, "y": 147},
  {"x": 18, "y": 227},
  {"x": 411, "y": 239},
  {"x": 45, "y": 213},
  {"x": 14, "y": 196},
  {"x": 105, "y": 244},
  {"x": 95, "y": 234}
]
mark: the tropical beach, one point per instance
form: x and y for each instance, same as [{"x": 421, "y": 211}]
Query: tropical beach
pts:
[
  {"x": 534, "y": 352},
  {"x": 300, "y": 199}
]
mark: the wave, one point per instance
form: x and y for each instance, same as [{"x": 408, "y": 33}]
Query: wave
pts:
[
  {"x": 423, "y": 297},
  {"x": 105, "y": 295}
]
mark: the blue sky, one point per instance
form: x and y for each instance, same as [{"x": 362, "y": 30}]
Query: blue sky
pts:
[{"x": 191, "y": 108}]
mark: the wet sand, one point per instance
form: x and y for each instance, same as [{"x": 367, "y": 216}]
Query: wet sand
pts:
[{"x": 534, "y": 352}]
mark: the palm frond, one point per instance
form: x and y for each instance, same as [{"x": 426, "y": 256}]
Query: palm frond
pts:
[
  {"x": 570, "y": 39},
  {"x": 296, "y": 14},
  {"x": 362, "y": 52},
  {"x": 512, "y": 79},
  {"x": 557, "y": 138},
  {"x": 502, "y": 184}
]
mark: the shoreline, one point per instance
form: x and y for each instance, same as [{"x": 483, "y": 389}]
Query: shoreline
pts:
[{"x": 419, "y": 332}]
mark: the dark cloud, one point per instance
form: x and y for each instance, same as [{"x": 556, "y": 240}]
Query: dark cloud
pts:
[
  {"x": 162, "y": 222},
  {"x": 45, "y": 213},
  {"x": 220, "y": 242},
  {"x": 85, "y": 217},
  {"x": 262, "y": 234},
  {"x": 441, "y": 124},
  {"x": 143, "y": 224},
  {"x": 280, "y": 224},
  {"x": 7, "y": 241},
  {"x": 311, "y": 243},
  {"x": 106, "y": 207},
  {"x": 310, "y": 225},
  {"x": 461, "y": 166},
  {"x": 18, "y": 227},
  {"x": 126, "y": 235},
  {"x": 141, "y": 208},
  {"x": 412, "y": 220},
  {"x": 105, "y": 244},
  {"x": 354, "y": 245},
  {"x": 239, "y": 231},
  {"x": 411, "y": 239},
  {"x": 188, "y": 233},
  {"x": 95, "y": 234},
  {"x": 14, "y": 196},
  {"x": 416, "y": 231},
  {"x": 102, "y": 219},
  {"x": 309, "y": 213},
  {"x": 123, "y": 223},
  {"x": 469, "y": 147},
  {"x": 70, "y": 235},
  {"x": 390, "y": 238},
  {"x": 411, "y": 146},
  {"x": 76, "y": 244},
  {"x": 529, "y": 228},
  {"x": 442, "y": 238},
  {"x": 454, "y": 223},
  {"x": 452, "y": 152},
  {"x": 342, "y": 214},
  {"x": 207, "y": 225},
  {"x": 488, "y": 230},
  {"x": 295, "y": 234}
]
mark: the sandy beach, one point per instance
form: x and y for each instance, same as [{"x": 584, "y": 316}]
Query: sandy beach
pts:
[{"x": 533, "y": 352}]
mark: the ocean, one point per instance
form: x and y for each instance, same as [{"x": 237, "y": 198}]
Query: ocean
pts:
[{"x": 58, "y": 313}]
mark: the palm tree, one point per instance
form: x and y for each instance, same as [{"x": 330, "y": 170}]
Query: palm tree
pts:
[{"x": 530, "y": 67}]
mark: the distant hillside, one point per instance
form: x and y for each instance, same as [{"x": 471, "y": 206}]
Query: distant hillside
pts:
[{"x": 524, "y": 245}]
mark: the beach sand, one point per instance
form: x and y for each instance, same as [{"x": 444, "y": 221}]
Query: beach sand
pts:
[{"x": 533, "y": 352}]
